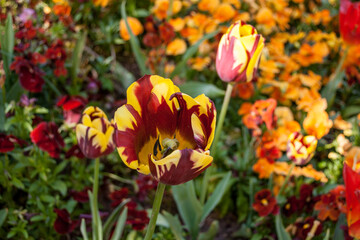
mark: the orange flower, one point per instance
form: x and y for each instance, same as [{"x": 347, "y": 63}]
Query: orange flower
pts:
[
  {"x": 322, "y": 16},
  {"x": 245, "y": 108},
  {"x": 308, "y": 54},
  {"x": 265, "y": 16},
  {"x": 263, "y": 167},
  {"x": 161, "y": 8},
  {"x": 199, "y": 63},
  {"x": 262, "y": 111},
  {"x": 208, "y": 5},
  {"x": 102, "y": 3},
  {"x": 135, "y": 27},
  {"x": 243, "y": 90},
  {"x": 177, "y": 23},
  {"x": 176, "y": 47},
  {"x": 224, "y": 12},
  {"x": 317, "y": 123}
]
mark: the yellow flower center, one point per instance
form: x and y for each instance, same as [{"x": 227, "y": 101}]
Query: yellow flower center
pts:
[
  {"x": 264, "y": 202},
  {"x": 306, "y": 226}
]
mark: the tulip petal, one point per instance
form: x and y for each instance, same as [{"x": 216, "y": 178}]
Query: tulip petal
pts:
[
  {"x": 94, "y": 143},
  {"x": 180, "y": 166},
  {"x": 352, "y": 185}
]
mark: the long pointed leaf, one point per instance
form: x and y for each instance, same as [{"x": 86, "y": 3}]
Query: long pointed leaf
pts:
[
  {"x": 195, "y": 89},
  {"x": 7, "y": 44},
  {"x": 83, "y": 229},
  {"x": 112, "y": 218},
  {"x": 188, "y": 206},
  {"x": 280, "y": 230},
  {"x": 120, "y": 225},
  {"x": 135, "y": 45},
  {"x": 174, "y": 224},
  {"x": 211, "y": 233},
  {"x": 215, "y": 198},
  {"x": 76, "y": 57}
]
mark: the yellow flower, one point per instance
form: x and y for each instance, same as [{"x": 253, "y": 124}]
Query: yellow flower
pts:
[
  {"x": 95, "y": 133},
  {"x": 165, "y": 132},
  {"x": 135, "y": 27},
  {"x": 176, "y": 47},
  {"x": 239, "y": 53},
  {"x": 300, "y": 149}
]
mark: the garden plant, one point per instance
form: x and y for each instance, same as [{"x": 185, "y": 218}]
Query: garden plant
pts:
[{"x": 180, "y": 119}]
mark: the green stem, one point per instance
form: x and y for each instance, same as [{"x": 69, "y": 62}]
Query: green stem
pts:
[
  {"x": 2, "y": 108},
  {"x": 286, "y": 179},
  {"x": 96, "y": 216},
  {"x": 155, "y": 210},
  {"x": 219, "y": 127}
]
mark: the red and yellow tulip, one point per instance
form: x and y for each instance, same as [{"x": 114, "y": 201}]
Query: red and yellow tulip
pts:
[
  {"x": 165, "y": 132},
  {"x": 95, "y": 133},
  {"x": 239, "y": 53},
  {"x": 300, "y": 149}
]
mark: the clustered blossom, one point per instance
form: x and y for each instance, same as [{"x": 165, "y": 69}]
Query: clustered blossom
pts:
[{"x": 47, "y": 137}]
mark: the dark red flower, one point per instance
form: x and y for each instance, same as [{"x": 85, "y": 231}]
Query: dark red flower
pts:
[
  {"x": 291, "y": 206},
  {"x": 7, "y": 142},
  {"x": 27, "y": 31},
  {"x": 56, "y": 53},
  {"x": 46, "y": 136},
  {"x": 72, "y": 106},
  {"x": 166, "y": 31},
  {"x": 306, "y": 199},
  {"x": 74, "y": 151},
  {"x": 63, "y": 223},
  {"x": 349, "y": 21},
  {"x": 265, "y": 203},
  {"x": 118, "y": 196},
  {"x": 81, "y": 196},
  {"x": 138, "y": 219},
  {"x": 30, "y": 75},
  {"x": 304, "y": 228},
  {"x": 152, "y": 40}
]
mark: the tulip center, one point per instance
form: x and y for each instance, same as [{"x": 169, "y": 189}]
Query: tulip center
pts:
[{"x": 169, "y": 145}]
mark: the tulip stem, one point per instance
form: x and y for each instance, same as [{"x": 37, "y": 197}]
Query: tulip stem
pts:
[
  {"x": 219, "y": 127},
  {"x": 286, "y": 179},
  {"x": 97, "y": 224},
  {"x": 155, "y": 210}
]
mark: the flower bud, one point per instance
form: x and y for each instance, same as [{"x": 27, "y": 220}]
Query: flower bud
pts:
[
  {"x": 239, "y": 53},
  {"x": 300, "y": 149}
]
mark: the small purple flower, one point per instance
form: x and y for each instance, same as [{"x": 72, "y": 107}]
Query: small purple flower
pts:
[
  {"x": 26, "y": 14},
  {"x": 25, "y": 101}
]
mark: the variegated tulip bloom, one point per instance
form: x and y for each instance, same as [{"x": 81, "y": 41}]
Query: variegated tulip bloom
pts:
[
  {"x": 300, "y": 149},
  {"x": 165, "y": 132},
  {"x": 239, "y": 53},
  {"x": 95, "y": 133}
]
